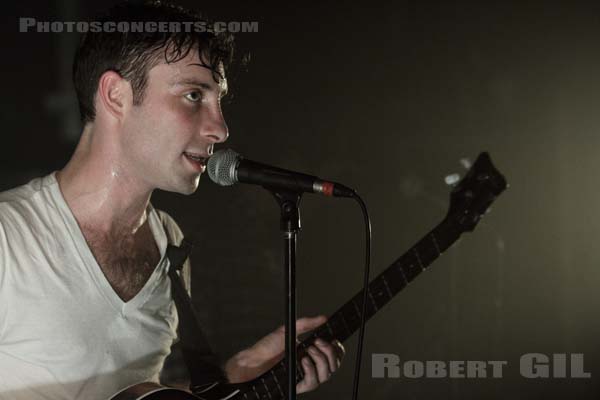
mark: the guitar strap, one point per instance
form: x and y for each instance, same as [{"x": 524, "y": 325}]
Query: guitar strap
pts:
[{"x": 201, "y": 361}]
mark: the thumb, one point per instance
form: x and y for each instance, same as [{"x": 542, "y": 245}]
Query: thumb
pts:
[{"x": 306, "y": 324}]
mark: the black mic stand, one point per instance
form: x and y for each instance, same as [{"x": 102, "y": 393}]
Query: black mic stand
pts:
[{"x": 289, "y": 202}]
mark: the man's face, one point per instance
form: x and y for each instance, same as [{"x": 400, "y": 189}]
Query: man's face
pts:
[{"x": 169, "y": 136}]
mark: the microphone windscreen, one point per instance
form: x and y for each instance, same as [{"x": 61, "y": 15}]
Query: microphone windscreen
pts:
[{"x": 222, "y": 167}]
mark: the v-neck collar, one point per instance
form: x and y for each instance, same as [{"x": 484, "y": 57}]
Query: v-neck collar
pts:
[{"x": 90, "y": 262}]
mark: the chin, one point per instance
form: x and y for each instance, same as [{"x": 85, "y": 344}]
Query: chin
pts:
[
  {"x": 191, "y": 186},
  {"x": 183, "y": 186},
  {"x": 188, "y": 192}
]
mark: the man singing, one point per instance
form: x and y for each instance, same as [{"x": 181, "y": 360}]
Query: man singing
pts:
[{"x": 85, "y": 299}]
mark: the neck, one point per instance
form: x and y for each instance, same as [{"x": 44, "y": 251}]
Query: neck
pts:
[{"x": 100, "y": 191}]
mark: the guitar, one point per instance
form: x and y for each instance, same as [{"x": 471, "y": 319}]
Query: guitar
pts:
[{"x": 469, "y": 200}]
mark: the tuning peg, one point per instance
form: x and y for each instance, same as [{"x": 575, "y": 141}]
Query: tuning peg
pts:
[
  {"x": 466, "y": 163},
  {"x": 452, "y": 179}
]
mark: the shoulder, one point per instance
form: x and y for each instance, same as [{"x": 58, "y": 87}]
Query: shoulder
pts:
[
  {"x": 24, "y": 192},
  {"x": 172, "y": 229},
  {"x": 27, "y": 201},
  {"x": 20, "y": 212},
  {"x": 175, "y": 236},
  {"x": 19, "y": 194},
  {"x": 26, "y": 209}
]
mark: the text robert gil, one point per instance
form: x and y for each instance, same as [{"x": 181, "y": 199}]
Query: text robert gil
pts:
[{"x": 531, "y": 365}]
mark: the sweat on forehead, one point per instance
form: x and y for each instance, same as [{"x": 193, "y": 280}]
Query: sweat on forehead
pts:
[
  {"x": 182, "y": 62},
  {"x": 191, "y": 71}
]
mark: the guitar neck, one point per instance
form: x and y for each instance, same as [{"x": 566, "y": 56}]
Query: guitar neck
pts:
[
  {"x": 346, "y": 320},
  {"x": 382, "y": 289}
]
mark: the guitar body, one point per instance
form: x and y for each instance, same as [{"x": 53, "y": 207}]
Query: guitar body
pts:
[{"x": 154, "y": 391}]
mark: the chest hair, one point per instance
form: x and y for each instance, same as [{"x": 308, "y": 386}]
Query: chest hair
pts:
[{"x": 127, "y": 261}]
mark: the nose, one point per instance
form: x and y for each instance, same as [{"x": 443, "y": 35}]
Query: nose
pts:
[{"x": 213, "y": 127}]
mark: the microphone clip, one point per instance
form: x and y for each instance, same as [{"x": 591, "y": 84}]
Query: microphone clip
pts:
[{"x": 289, "y": 205}]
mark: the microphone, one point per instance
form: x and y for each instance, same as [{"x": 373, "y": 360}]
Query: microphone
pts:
[{"x": 227, "y": 167}]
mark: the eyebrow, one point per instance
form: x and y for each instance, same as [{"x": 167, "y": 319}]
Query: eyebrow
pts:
[
  {"x": 203, "y": 85},
  {"x": 194, "y": 81}
]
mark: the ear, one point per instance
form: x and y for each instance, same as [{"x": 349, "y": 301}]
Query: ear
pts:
[{"x": 114, "y": 94}]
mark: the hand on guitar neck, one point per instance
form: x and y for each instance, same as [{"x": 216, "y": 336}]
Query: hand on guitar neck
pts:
[{"x": 319, "y": 362}]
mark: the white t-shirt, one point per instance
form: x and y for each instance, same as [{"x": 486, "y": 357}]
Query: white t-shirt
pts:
[{"x": 64, "y": 332}]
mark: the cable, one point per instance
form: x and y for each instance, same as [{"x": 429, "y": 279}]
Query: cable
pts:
[{"x": 361, "y": 332}]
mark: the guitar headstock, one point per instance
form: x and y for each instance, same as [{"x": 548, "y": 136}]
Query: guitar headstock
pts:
[{"x": 474, "y": 194}]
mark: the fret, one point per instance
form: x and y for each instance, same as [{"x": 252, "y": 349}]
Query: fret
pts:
[
  {"x": 371, "y": 308},
  {"x": 379, "y": 292},
  {"x": 325, "y": 332},
  {"x": 435, "y": 243},
  {"x": 357, "y": 308},
  {"x": 410, "y": 267},
  {"x": 426, "y": 252},
  {"x": 327, "y": 324},
  {"x": 261, "y": 386},
  {"x": 418, "y": 258},
  {"x": 350, "y": 312},
  {"x": 351, "y": 316},
  {"x": 339, "y": 326},
  {"x": 283, "y": 367},
  {"x": 395, "y": 278},
  {"x": 346, "y": 327},
  {"x": 299, "y": 373},
  {"x": 277, "y": 383},
  {"x": 374, "y": 303},
  {"x": 255, "y": 392},
  {"x": 266, "y": 387},
  {"x": 387, "y": 288}
]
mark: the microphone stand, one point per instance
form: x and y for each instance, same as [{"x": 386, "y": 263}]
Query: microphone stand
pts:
[{"x": 289, "y": 202}]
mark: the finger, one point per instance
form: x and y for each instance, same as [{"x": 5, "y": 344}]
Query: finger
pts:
[
  {"x": 306, "y": 324},
  {"x": 330, "y": 351},
  {"x": 310, "y": 380},
  {"x": 321, "y": 363}
]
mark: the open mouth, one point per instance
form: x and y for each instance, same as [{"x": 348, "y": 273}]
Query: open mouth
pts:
[{"x": 196, "y": 159}]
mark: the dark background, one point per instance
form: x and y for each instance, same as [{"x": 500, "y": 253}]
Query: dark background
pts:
[{"x": 387, "y": 99}]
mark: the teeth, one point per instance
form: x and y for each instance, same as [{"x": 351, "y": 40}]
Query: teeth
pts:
[{"x": 195, "y": 158}]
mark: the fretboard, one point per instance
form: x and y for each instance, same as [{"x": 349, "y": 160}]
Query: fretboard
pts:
[{"x": 346, "y": 320}]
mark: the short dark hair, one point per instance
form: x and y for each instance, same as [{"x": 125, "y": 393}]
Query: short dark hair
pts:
[{"x": 133, "y": 54}]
